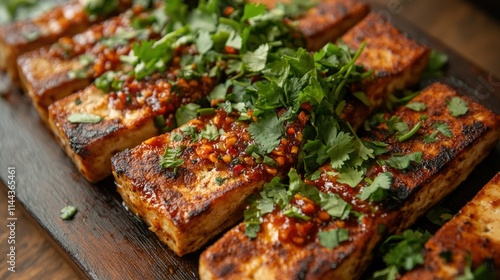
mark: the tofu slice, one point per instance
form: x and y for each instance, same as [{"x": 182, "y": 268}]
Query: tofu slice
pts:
[
  {"x": 326, "y": 21},
  {"x": 474, "y": 232},
  {"x": 23, "y": 36},
  {"x": 207, "y": 193},
  {"x": 445, "y": 163},
  {"x": 124, "y": 123},
  {"x": 44, "y": 72},
  {"x": 137, "y": 173},
  {"x": 396, "y": 60}
]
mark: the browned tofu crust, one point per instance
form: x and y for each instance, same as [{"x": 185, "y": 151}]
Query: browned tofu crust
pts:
[
  {"x": 44, "y": 72},
  {"x": 128, "y": 117},
  {"x": 473, "y": 233},
  {"x": 327, "y": 20},
  {"x": 23, "y": 36},
  {"x": 138, "y": 204},
  {"x": 445, "y": 163},
  {"x": 396, "y": 61},
  {"x": 188, "y": 205}
]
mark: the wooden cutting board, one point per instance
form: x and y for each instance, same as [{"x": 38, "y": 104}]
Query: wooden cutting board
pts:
[{"x": 104, "y": 240}]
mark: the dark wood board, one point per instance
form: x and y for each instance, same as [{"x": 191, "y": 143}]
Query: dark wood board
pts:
[{"x": 104, "y": 240}]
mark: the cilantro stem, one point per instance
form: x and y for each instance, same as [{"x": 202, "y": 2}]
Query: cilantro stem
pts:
[
  {"x": 349, "y": 69},
  {"x": 172, "y": 35},
  {"x": 410, "y": 133}
]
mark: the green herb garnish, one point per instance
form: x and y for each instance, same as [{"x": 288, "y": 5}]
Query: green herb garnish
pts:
[
  {"x": 437, "y": 62},
  {"x": 439, "y": 215},
  {"x": 457, "y": 106},
  {"x": 84, "y": 118},
  {"x": 378, "y": 189},
  {"x": 277, "y": 194},
  {"x": 410, "y": 133},
  {"x": 100, "y": 7},
  {"x": 332, "y": 238},
  {"x": 416, "y": 106},
  {"x": 68, "y": 212},
  {"x": 171, "y": 158},
  {"x": 403, "y": 161},
  {"x": 402, "y": 253}
]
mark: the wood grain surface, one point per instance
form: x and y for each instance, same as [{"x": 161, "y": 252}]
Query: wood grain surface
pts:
[{"x": 104, "y": 241}]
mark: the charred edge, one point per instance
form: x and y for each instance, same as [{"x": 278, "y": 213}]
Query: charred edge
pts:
[
  {"x": 120, "y": 161},
  {"x": 82, "y": 135}
]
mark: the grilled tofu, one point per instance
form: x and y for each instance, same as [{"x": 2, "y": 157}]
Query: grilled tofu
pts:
[
  {"x": 23, "y": 36},
  {"x": 128, "y": 117},
  {"x": 45, "y": 72},
  {"x": 326, "y": 21},
  {"x": 188, "y": 206},
  {"x": 473, "y": 233},
  {"x": 444, "y": 164},
  {"x": 180, "y": 231},
  {"x": 397, "y": 62}
]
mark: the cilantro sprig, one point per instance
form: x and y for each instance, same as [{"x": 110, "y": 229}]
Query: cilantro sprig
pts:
[
  {"x": 402, "y": 253},
  {"x": 277, "y": 195}
]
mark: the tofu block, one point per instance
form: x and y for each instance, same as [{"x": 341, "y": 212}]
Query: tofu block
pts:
[
  {"x": 187, "y": 232},
  {"x": 128, "y": 118},
  {"x": 204, "y": 196},
  {"x": 45, "y": 72},
  {"x": 276, "y": 252},
  {"x": 23, "y": 36},
  {"x": 327, "y": 20},
  {"x": 473, "y": 233},
  {"x": 396, "y": 61}
]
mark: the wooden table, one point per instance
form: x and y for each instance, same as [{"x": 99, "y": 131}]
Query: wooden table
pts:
[{"x": 460, "y": 25}]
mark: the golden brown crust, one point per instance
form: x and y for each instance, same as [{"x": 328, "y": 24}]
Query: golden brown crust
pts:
[
  {"x": 188, "y": 205},
  {"x": 44, "y": 72},
  {"x": 379, "y": 88},
  {"x": 327, "y": 20},
  {"x": 396, "y": 61},
  {"x": 445, "y": 163},
  {"x": 63, "y": 20},
  {"x": 124, "y": 123},
  {"x": 474, "y": 232}
]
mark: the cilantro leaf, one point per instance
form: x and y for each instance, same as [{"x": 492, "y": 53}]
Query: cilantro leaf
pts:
[
  {"x": 295, "y": 212},
  {"x": 266, "y": 132},
  {"x": 190, "y": 130},
  {"x": 405, "y": 251},
  {"x": 416, "y": 106},
  {"x": 210, "y": 132},
  {"x": 171, "y": 158},
  {"x": 204, "y": 42},
  {"x": 351, "y": 177},
  {"x": 403, "y": 162},
  {"x": 388, "y": 273},
  {"x": 437, "y": 62},
  {"x": 340, "y": 146},
  {"x": 256, "y": 61},
  {"x": 68, "y": 212},
  {"x": 377, "y": 190},
  {"x": 252, "y": 10},
  {"x": 332, "y": 238},
  {"x": 186, "y": 113},
  {"x": 457, "y": 106},
  {"x": 439, "y": 215},
  {"x": 409, "y": 134},
  {"x": 443, "y": 128},
  {"x": 362, "y": 97},
  {"x": 431, "y": 138},
  {"x": 100, "y": 7},
  {"x": 334, "y": 205}
]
